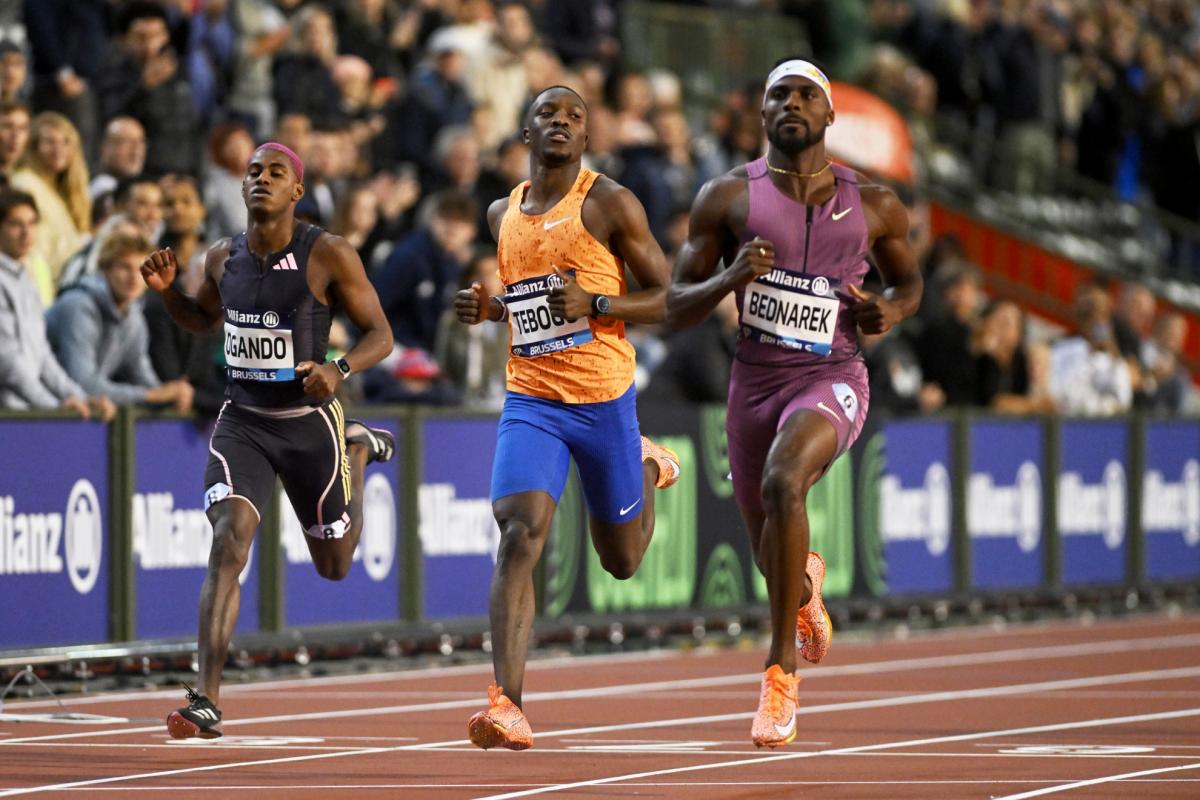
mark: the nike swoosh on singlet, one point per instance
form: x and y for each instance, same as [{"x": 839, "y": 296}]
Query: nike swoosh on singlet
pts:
[
  {"x": 556, "y": 223},
  {"x": 821, "y": 405},
  {"x": 838, "y": 215},
  {"x": 627, "y": 509}
]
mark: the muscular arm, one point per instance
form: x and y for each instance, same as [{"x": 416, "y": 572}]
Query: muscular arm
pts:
[
  {"x": 697, "y": 288},
  {"x": 348, "y": 282},
  {"x": 629, "y": 238},
  {"x": 201, "y": 314},
  {"x": 888, "y": 221}
]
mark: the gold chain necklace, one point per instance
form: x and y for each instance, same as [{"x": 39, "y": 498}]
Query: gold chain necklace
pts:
[{"x": 795, "y": 174}]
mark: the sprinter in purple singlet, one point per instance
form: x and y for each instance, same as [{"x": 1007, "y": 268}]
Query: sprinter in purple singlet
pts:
[{"x": 793, "y": 230}]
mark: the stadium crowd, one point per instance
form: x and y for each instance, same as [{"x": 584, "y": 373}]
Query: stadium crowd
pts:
[{"x": 126, "y": 125}]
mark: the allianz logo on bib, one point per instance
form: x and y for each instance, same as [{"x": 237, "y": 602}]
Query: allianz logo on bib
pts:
[
  {"x": 1088, "y": 509},
  {"x": 1013, "y": 511},
  {"x": 456, "y": 526},
  {"x": 1169, "y": 506},
  {"x": 921, "y": 513},
  {"x": 50, "y": 543}
]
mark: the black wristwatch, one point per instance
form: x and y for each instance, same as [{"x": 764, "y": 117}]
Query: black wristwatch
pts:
[
  {"x": 600, "y": 305},
  {"x": 343, "y": 367}
]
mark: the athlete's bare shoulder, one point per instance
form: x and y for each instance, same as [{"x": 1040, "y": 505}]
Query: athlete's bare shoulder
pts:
[
  {"x": 215, "y": 258},
  {"x": 495, "y": 214},
  {"x": 724, "y": 201},
  {"x": 886, "y": 215}
]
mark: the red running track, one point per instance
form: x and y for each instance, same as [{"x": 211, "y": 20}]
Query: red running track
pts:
[{"x": 1104, "y": 710}]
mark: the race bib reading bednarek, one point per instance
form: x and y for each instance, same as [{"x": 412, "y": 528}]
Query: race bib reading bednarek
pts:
[
  {"x": 787, "y": 309},
  {"x": 536, "y": 330},
  {"x": 257, "y": 350}
]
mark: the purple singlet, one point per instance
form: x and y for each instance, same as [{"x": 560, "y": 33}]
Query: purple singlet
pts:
[{"x": 798, "y": 344}]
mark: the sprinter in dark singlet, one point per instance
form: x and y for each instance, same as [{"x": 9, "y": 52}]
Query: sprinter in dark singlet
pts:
[
  {"x": 274, "y": 287},
  {"x": 793, "y": 230}
]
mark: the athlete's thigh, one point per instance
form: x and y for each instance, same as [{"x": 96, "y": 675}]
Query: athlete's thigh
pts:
[
  {"x": 531, "y": 455},
  {"x": 841, "y": 400},
  {"x": 315, "y": 472},
  {"x": 606, "y": 443},
  {"x": 238, "y": 468}
]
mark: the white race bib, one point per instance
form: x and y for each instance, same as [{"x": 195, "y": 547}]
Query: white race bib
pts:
[
  {"x": 259, "y": 354},
  {"x": 791, "y": 310},
  {"x": 536, "y": 330}
]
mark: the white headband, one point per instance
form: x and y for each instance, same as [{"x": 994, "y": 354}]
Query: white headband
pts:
[{"x": 802, "y": 69}]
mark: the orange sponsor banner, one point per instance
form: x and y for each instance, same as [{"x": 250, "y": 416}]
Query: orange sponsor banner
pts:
[{"x": 870, "y": 135}]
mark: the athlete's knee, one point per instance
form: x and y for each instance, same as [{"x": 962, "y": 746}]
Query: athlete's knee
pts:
[
  {"x": 785, "y": 491},
  {"x": 230, "y": 547},
  {"x": 520, "y": 542},
  {"x": 332, "y": 568},
  {"x": 621, "y": 565}
]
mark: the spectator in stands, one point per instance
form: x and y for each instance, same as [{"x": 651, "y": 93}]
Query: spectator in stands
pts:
[
  {"x": 633, "y": 103},
  {"x": 229, "y": 148},
  {"x": 14, "y": 137},
  {"x": 496, "y": 76},
  {"x": 55, "y": 173},
  {"x": 697, "y": 363},
  {"x": 99, "y": 333},
  {"x": 30, "y": 375},
  {"x": 436, "y": 97},
  {"x": 211, "y": 54},
  {"x": 418, "y": 281},
  {"x": 511, "y": 168},
  {"x": 1168, "y": 383},
  {"x": 323, "y": 162},
  {"x": 67, "y": 43},
  {"x": 1132, "y": 324},
  {"x": 362, "y": 106},
  {"x": 474, "y": 358},
  {"x": 137, "y": 211},
  {"x": 355, "y": 220},
  {"x": 944, "y": 344},
  {"x": 371, "y": 30},
  {"x": 1087, "y": 374},
  {"x": 14, "y": 73},
  {"x": 897, "y": 384},
  {"x": 583, "y": 29},
  {"x": 456, "y": 153},
  {"x": 122, "y": 155},
  {"x": 174, "y": 352},
  {"x": 1002, "y": 362},
  {"x": 263, "y": 32},
  {"x": 294, "y": 130},
  {"x": 302, "y": 74},
  {"x": 142, "y": 79}
]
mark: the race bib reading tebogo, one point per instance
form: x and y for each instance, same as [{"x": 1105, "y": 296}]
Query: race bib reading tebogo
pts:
[
  {"x": 257, "y": 350},
  {"x": 790, "y": 310},
  {"x": 536, "y": 330}
]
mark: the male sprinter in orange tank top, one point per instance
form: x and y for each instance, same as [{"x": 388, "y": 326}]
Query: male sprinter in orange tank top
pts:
[
  {"x": 565, "y": 238},
  {"x": 794, "y": 231}
]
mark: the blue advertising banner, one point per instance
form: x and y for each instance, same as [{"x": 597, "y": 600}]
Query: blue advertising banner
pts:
[
  {"x": 371, "y": 590},
  {"x": 459, "y": 536},
  {"x": 915, "y": 507},
  {"x": 54, "y": 565},
  {"x": 171, "y": 533},
  {"x": 1004, "y": 504},
  {"x": 1092, "y": 500},
  {"x": 1171, "y": 500}
]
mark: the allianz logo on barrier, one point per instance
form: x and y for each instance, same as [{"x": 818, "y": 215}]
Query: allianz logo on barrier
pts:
[
  {"x": 1013, "y": 511},
  {"x": 918, "y": 514},
  {"x": 49, "y": 543},
  {"x": 1085, "y": 509},
  {"x": 453, "y": 526},
  {"x": 1171, "y": 506},
  {"x": 166, "y": 537}
]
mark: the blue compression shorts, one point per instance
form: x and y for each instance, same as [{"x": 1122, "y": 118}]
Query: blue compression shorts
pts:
[{"x": 537, "y": 439}]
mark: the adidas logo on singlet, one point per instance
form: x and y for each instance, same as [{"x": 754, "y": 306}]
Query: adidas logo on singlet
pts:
[{"x": 287, "y": 262}]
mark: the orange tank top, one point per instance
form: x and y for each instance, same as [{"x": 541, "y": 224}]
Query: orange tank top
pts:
[{"x": 588, "y": 361}]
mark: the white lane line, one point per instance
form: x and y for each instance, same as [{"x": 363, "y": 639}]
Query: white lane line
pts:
[
  {"x": 1094, "y": 781},
  {"x": 962, "y": 737},
  {"x": 869, "y": 668},
  {"x": 934, "y": 697}
]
